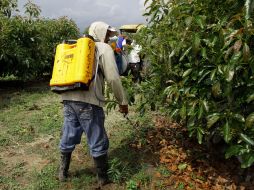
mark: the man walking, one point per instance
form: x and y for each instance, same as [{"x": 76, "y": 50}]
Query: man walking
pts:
[{"x": 83, "y": 110}]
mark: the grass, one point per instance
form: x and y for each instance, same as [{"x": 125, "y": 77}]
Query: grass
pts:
[
  {"x": 164, "y": 171},
  {"x": 45, "y": 179},
  {"x": 30, "y": 114},
  {"x": 31, "y": 121}
]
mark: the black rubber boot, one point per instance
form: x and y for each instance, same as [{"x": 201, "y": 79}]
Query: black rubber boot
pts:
[
  {"x": 101, "y": 164},
  {"x": 64, "y": 166}
]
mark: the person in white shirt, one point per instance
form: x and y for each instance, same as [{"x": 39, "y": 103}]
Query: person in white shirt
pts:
[{"x": 135, "y": 63}]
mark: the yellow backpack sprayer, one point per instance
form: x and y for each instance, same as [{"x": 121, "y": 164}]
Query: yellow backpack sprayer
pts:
[{"x": 73, "y": 65}]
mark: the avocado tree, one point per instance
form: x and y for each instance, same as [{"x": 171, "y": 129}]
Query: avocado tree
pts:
[
  {"x": 202, "y": 68},
  {"x": 7, "y": 7},
  {"x": 27, "y": 43}
]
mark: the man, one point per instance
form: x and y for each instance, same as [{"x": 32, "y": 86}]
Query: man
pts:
[
  {"x": 83, "y": 110},
  {"x": 135, "y": 62},
  {"x": 121, "y": 58},
  {"x": 121, "y": 41}
]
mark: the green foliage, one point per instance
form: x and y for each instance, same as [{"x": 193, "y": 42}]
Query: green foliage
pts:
[
  {"x": 118, "y": 171},
  {"x": 180, "y": 186},
  {"x": 27, "y": 43},
  {"x": 130, "y": 88},
  {"x": 44, "y": 179},
  {"x": 32, "y": 10},
  {"x": 201, "y": 68},
  {"x": 164, "y": 171},
  {"x": 7, "y": 7},
  {"x": 132, "y": 185},
  {"x": 9, "y": 183}
]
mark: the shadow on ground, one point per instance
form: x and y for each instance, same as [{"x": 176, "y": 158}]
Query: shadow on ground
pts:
[{"x": 11, "y": 91}]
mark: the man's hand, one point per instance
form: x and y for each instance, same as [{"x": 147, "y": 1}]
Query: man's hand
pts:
[{"x": 123, "y": 109}]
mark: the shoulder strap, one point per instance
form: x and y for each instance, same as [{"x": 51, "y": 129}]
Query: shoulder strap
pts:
[{"x": 96, "y": 73}]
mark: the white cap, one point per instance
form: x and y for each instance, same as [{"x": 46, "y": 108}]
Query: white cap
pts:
[{"x": 112, "y": 29}]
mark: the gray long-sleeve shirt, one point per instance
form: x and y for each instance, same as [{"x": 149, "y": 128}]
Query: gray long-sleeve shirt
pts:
[{"x": 108, "y": 71}]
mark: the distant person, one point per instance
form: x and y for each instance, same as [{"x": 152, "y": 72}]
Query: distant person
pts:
[
  {"x": 117, "y": 53},
  {"x": 135, "y": 63},
  {"x": 83, "y": 110},
  {"x": 118, "y": 43},
  {"x": 112, "y": 41},
  {"x": 121, "y": 41}
]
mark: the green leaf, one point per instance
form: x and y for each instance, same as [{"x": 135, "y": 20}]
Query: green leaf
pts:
[
  {"x": 203, "y": 76},
  {"x": 191, "y": 133},
  {"x": 146, "y": 1},
  {"x": 236, "y": 57},
  {"x": 174, "y": 112},
  {"x": 239, "y": 117},
  {"x": 233, "y": 150},
  {"x": 192, "y": 110},
  {"x": 200, "y": 21},
  {"x": 183, "y": 112},
  {"x": 203, "y": 53},
  {"x": 196, "y": 43},
  {"x": 216, "y": 89},
  {"x": 188, "y": 21},
  {"x": 251, "y": 63},
  {"x": 250, "y": 120},
  {"x": 230, "y": 74},
  {"x": 205, "y": 104},
  {"x": 200, "y": 111},
  {"x": 250, "y": 98},
  {"x": 248, "y": 160},
  {"x": 226, "y": 132},
  {"x": 246, "y": 139},
  {"x": 200, "y": 133},
  {"x": 215, "y": 39},
  {"x": 213, "y": 74},
  {"x": 191, "y": 122},
  {"x": 220, "y": 69},
  {"x": 182, "y": 166},
  {"x": 187, "y": 72},
  {"x": 212, "y": 119},
  {"x": 185, "y": 53},
  {"x": 228, "y": 52},
  {"x": 246, "y": 52}
]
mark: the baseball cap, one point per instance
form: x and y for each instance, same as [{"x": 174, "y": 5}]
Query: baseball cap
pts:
[{"x": 112, "y": 29}]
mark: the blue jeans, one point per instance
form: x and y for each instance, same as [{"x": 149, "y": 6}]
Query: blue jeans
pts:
[
  {"x": 82, "y": 117},
  {"x": 119, "y": 62}
]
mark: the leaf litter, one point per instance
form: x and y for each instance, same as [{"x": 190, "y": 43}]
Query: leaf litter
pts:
[{"x": 189, "y": 164}]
